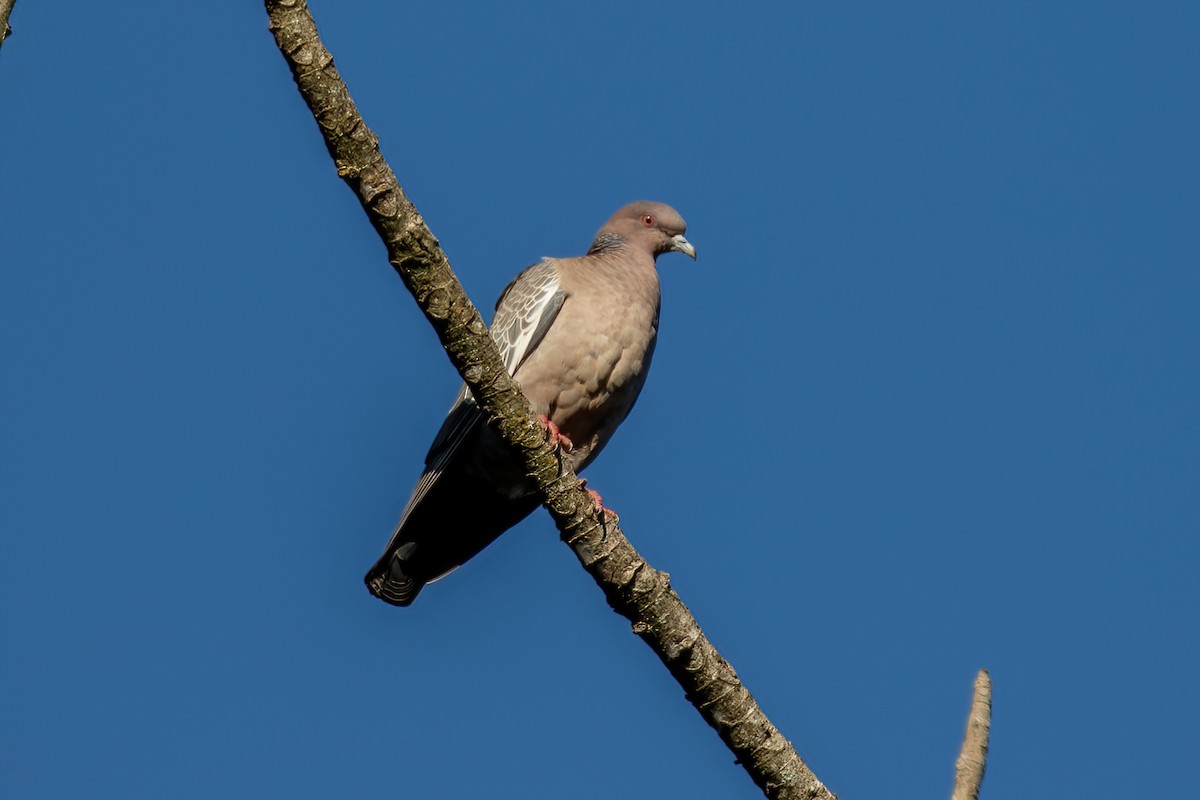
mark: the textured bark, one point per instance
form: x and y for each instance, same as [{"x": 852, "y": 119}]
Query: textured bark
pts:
[
  {"x": 972, "y": 759},
  {"x": 632, "y": 587},
  {"x": 6, "y": 7}
]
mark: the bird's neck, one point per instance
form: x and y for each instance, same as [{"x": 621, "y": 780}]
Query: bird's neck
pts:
[
  {"x": 606, "y": 242},
  {"x": 620, "y": 269}
]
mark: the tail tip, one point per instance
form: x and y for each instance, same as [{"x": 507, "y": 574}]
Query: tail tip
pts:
[{"x": 392, "y": 586}]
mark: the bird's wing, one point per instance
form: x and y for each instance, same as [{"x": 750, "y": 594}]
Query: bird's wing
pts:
[
  {"x": 526, "y": 310},
  {"x": 524, "y": 313}
]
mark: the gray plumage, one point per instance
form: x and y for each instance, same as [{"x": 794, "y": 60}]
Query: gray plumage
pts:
[{"x": 578, "y": 335}]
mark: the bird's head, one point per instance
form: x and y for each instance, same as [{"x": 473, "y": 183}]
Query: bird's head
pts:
[{"x": 653, "y": 227}]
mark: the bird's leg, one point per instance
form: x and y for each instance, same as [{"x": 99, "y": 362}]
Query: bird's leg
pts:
[
  {"x": 554, "y": 435},
  {"x": 596, "y": 498},
  {"x": 605, "y": 513}
]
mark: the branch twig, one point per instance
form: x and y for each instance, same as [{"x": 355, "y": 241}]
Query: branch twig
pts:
[
  {"x": 633, "y": 588},
  {"x": 972, "y": 759},
  {"x": 6, "y": 7}
]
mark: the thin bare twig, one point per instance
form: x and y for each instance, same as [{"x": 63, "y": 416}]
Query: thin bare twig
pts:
[
  {"x": 6, "y": 7},
  {"x": 972, "y": 760}
]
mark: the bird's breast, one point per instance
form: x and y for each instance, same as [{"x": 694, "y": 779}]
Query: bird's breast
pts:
[{"x": 588, "y": 371}]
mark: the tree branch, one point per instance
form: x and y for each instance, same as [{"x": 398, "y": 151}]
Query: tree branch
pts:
[
  {"x": 632, "y": 587},
  {"x": 6, "y": 7},
  {"x": 972, "y": 760}
]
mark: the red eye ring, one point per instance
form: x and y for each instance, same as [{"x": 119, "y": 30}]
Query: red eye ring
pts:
[{"x": 648, "y": 220}]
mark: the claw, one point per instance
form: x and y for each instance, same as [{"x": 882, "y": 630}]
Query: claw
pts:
[
  {"x": 605, "y": 513},
  {"x": 554, "y": 435},
  {"x": 597, "y": 499}
]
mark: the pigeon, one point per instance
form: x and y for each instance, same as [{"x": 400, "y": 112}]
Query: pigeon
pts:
[{"x": 577, "y": 334}]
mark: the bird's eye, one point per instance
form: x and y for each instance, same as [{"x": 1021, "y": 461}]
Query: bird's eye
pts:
[{"x": 648, "y": 220}]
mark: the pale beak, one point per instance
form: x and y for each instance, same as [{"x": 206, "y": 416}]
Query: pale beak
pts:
[{"x": 682, "y": 245}]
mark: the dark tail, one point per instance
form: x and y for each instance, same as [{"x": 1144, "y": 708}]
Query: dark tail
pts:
[
  {"x": 438, "y": 537},
  {"x": 460, "y": 514},
  {"x": 388, "y": 581}
]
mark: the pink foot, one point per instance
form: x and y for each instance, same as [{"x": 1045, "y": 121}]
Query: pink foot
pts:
[
  {"x": 554, "y": 435},
  {"x": 606, "y": 513}
]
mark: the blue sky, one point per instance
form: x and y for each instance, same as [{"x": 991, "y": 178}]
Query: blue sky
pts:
[{"x": 926, "y": 402}]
